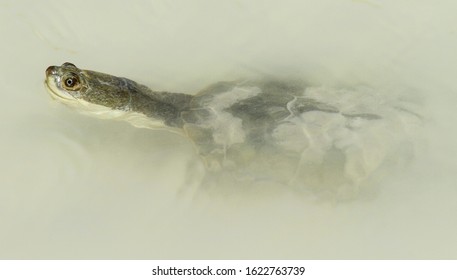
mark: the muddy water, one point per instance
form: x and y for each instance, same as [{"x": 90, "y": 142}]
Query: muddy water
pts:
[{"x": 77, "y": 187}]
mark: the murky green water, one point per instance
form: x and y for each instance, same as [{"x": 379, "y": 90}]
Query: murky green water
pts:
[{"x": 77, "y": 187}]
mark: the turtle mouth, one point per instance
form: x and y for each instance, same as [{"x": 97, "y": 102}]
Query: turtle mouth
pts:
[{"x": 55, "y": 92}]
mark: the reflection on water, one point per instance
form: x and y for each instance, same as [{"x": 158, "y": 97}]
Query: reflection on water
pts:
[{"x": 77, "y": 187}]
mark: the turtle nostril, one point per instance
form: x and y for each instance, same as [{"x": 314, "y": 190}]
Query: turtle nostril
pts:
[{"x": 51, "y": 70}]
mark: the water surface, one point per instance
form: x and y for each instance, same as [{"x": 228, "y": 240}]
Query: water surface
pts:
[{"x": 77, "y": 187}]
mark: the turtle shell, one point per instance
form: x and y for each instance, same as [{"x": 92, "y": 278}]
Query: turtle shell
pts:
[{"x": 302, "y": 134}]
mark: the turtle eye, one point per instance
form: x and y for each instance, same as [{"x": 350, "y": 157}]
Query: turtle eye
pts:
[{"x": 70, "y": 83}]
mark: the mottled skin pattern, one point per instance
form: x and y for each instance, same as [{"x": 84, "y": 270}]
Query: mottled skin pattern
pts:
[{"x": 241, "y": 125}]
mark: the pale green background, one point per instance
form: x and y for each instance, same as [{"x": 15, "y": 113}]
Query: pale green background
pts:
[{"x": 77, "y": 187}]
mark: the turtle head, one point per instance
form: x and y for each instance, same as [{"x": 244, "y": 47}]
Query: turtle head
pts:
[
  {"x": 111, "y": 97},
  {"x": 87, "y": 90}
]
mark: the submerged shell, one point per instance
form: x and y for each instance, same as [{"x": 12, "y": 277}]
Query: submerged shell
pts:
[{"x": 310, "y": 136}]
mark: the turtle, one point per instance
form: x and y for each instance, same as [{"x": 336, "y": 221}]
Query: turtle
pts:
[{"x": 306, "y": 134}]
